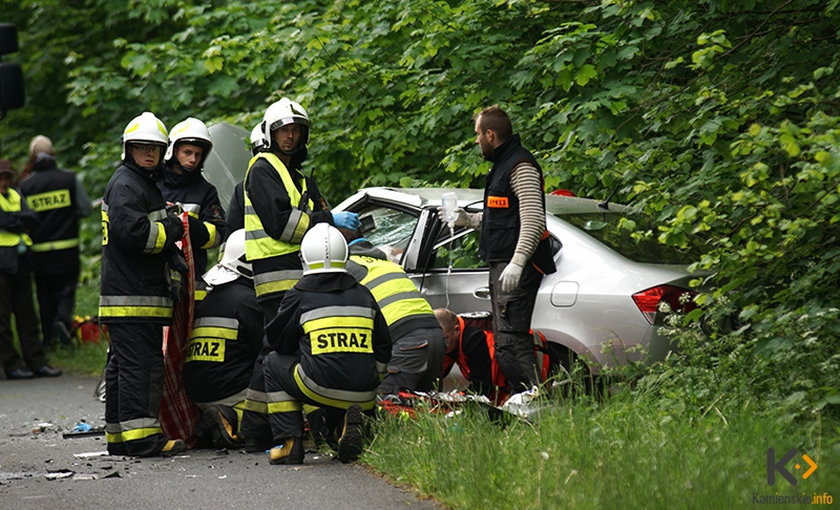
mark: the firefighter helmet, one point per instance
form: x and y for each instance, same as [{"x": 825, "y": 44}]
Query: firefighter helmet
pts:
[
  {"x": 323, "y": 250},
  {"x": 258, "y": 142},
  {"x": 192, "y": 131},
  {"x": 145, "y": 128},
  {"x": 282, "y": 113},
  {"x": 233, "y": 263}
]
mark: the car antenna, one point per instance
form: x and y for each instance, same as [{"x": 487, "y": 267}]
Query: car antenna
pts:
[{"x": 606, "y": 203}]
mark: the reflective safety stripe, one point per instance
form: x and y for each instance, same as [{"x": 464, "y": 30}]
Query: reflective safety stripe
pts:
[
  {"x": 55, "y": 245},
  {"x": 113, "y": 433},
  {"x": 135, "y": 306},
  {"x": 217, "y": 322},
  {"x": 258, "y": 244},
  {"x": 193, "y": 209},
  {"x": 140, "y": 428},
  {"x": 157, "y": 233},
  {"x": 395, "y": 293},
  {"x": 276, "y": 281},
  {"x": 282, "y": 402},
  {"x": 256, "y": 401},
  {"x": 135, "y": 434},
  {"x": 341, "y": 399},
  {"x": 337, "y": 311},
  {"x": 213, "y": 232}
]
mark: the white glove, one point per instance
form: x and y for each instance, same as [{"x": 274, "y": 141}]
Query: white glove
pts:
[
  {"x": 510, "y": 277},
  {"x": 463, "y": 218}
]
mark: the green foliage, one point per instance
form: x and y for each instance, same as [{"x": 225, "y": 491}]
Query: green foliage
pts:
[{"x": 719, "y": 117}]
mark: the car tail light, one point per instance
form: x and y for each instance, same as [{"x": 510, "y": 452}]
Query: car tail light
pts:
[{"x": 650, "y": 301}]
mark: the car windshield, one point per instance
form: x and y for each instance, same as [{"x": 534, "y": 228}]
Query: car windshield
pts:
[{"x": 633, "y": 236}]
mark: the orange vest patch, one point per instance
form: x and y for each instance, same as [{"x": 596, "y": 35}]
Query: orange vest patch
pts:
[{"x": 497, "y": 202}]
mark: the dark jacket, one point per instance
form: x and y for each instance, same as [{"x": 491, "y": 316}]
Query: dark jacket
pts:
[
  {"x": 137, "y": 240},
  {"x": 226, "y": 339},
  {"x": 201, "y": 200},
  {"x": 58, "y": 199},
  {"x": 337, "y": 357}
]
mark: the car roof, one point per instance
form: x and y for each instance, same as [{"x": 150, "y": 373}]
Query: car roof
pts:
[{"x": 431, "y": 197}]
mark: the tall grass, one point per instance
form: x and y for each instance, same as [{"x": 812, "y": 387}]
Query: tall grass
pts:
[{"x": 625, "y": 452}]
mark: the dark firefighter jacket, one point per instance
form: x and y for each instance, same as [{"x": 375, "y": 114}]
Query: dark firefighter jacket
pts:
[
  {"x": 338, "y": 330},
  {"x": 137, "y": 237},
  {"x": 280, "y": 206},
  {"x": 201, "y": 200},
  {"x": 54, "y": 195},
  {"x": 226, "y": 339}
]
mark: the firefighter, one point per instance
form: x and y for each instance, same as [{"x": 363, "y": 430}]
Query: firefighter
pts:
[
  {"x": 59, "y": 200},
  {"x": 418, "y": 345},
  {"x": 183, "y": 183},
  {"x": 330, "y": 341},
  {"x": 138, "y": 250},
  {"x": 226, "y": 339},
  {"x": 16, "y": 285},
  {"x": 281, "y": 204}
]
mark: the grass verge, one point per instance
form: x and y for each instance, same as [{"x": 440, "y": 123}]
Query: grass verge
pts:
[{"x": 626, "y": 452}]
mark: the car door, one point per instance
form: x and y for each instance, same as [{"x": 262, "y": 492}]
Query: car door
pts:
[{"x": 446, "y": 268}]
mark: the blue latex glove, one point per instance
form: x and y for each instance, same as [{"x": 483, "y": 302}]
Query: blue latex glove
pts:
[{"x": 346, "y": 219}]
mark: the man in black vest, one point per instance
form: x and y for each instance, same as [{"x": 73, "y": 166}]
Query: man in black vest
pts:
[
  {"x": 59, "y": 200},
  {"x": 513, "y": 241}
]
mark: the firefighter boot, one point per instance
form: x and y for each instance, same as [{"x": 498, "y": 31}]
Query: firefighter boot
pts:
[
  {"x": 290, "y": 451},
  {"x": 173, "y": 447},
  {"x": 221, "y": 425},
  {"x": 351, "y": 442}
]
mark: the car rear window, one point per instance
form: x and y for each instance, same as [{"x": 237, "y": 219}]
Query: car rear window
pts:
[{"x": 632, "y": 235}]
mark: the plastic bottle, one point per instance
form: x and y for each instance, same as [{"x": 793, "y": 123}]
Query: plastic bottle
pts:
[{"x": 449, "y": 203}]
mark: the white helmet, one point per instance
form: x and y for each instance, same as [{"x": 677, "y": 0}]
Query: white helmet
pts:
[
  {"x": 233, "y": 263},
  {"x": 323, "y": 250},
  {"x": 281, "y": 113},
  {"x": 258, "y": 142},
  {"x": 192, "y": 131},
  {"x": 145, "y": 128}
]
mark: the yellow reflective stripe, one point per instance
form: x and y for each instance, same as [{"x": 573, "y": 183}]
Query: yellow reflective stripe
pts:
[
  {"x": 404, "y": 308},
  {"x": 114, "y": 437},
  {"x": 200, "y": 294},
  {"x": 284, "y": 407},
  {"x": 214, "y": 236},
  {"x": 49, "y": 200},
  {"x": 134, "y": 311},
  {"x": 55, "y": 245},
  {"x": 274, "y": 286},
  {"x": 211, "y": 332},
  {"x": 255, "y": 407},
  {"x": 141, "y": 433},
  {"x": 135, "y": 306},
  {"x": 296, "y": 227},
  {"x": 338, "y": 322},
  {"x": 341, "y": 399}
]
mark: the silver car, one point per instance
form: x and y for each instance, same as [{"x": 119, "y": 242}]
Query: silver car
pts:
[{"x": 603, "y": 305}]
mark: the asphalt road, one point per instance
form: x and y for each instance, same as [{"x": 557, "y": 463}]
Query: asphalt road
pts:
[{"x": 40, "y": 468}]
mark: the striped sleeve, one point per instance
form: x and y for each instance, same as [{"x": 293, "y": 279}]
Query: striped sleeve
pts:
[{"x": 527, "y": 185}]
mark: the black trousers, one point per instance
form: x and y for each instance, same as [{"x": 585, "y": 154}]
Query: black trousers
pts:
[
  {"x": 254, "y": 428},
  {"x": 56, "y": 300},
  {"x": 16, "y": 299},
  {"x": 511, "y": 327},
  {"x": 133, "y": 389}
]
